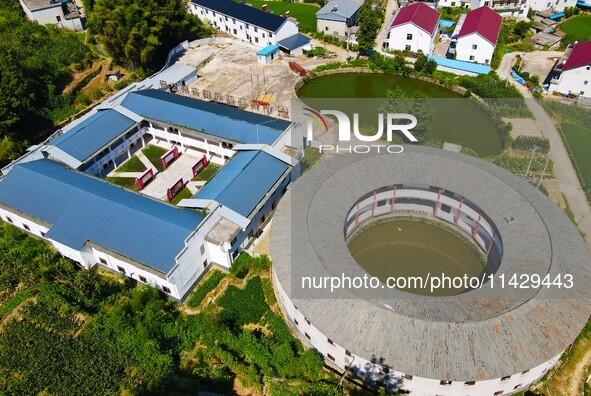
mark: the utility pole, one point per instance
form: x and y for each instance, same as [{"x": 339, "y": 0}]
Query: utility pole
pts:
[
  {"x": 529, "y": 165},
  {"x": 543, "y": 172}
]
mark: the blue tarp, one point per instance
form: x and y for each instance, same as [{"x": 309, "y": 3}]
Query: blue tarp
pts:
[
  {"x": 517, "y": 78},
  {"x": 469, "y": 67},
  {"x": 583, "y": 4},
  {"x": 557, "y": 16}
]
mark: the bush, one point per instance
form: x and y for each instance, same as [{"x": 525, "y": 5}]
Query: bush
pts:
[
  {"x": 527, "y": 143},
  {"x": 245, "y": 263},
  {"x": 205, "y": 287},
  {"x": 243, "y": 306}
]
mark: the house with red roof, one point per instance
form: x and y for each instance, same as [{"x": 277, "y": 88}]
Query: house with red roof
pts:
[
  {"x": 475, "y": 37},
  {"x": 572, "y": 73},
  {"x": 414, "y": 29}
]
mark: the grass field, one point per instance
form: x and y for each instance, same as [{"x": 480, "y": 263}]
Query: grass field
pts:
[
  {"x": 579, "y": 142},
  {"x": 579, "y": 27},
  {"x": 185, "y": 193},
  {"x": 207, "y": 173},
  {"x": 154, "y": 153},
  {"x": 125, "y": 182},
  {"x": 134, "y": 164},
  {"x": 303, "y": 12}
]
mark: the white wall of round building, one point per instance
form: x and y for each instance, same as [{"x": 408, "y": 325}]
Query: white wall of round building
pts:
[{"x": 339, "y": 357}]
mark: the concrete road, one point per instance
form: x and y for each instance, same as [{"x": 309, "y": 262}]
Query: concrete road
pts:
[
  {"x": 564, "y": 171},
  {"x": 391, "y": 9}
]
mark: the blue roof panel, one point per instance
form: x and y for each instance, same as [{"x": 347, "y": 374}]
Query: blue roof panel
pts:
[
  {"x": 461, "y": 65},
  {"x": 268, "y": 50},
  {"x": 92, "y": 134},
  {"x": 212, "y": 118},
  {"x": 244, "y": 181},
  {"x": 81, "y": 208},
  {"x": 294, "y": 42}
]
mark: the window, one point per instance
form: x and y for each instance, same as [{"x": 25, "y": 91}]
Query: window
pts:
[
  {"x": 233, "y": 20},
  {"x": 233, "y": 241},
  {"x": 524, "y": 372},
  {"x": 247, "y": 26},
  {"x": 121, "y": 269},
  {"x": 328, "y": 355},
  {"x": 498, "y": 393},
  {"x": 226, "y": 18},
  {"x": 204, "y": 263},
  {"x": 59, "y": 18},
  {"x": 256, "y": 39},
  {"x": 256, "y": 29},
  {"x": 506, "y": 378},
  {"x": 470, "y": 383},
  {"x": 347, "y": 353},
  {"x": 386, "y": 370},
  {"x": 165, "y": 289},
  {"x": 308, "y": 322},
  {"x": 296, "y": 321},
  {"x": 8, "y": 219},
  {"x": 444, "y": 382},
  {"x": 326, "y": 28},
  {"x": 235, "y": 32},
  {"x": 213, "y": 13},
  {"x": 586, "y": 82},
  {"x": 471, "y": 57},
  {"x": 453, "y": 3},
  {"x": 408, "y": 377},
  {"x": 143, "y": 279},
  {"x": 407, "y": 48},
  {"x": 517, "y": 386},
  {"x": 202, "y": 249},
  {"x": 103, "y": 261},
  {"x": 42, "y": 234},
  {"x": 307, "y": 335},
  {"x": 263, "y": 35},
  {"x": 474, "y": 46},
  {"x": 26, "y": 227},
  {"x": 409, "y": 36}
]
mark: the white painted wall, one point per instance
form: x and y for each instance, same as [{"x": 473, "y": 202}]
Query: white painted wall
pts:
[
  {"x": 240, "y": 29},
  {"x": 576, "y": 81},
  {"x": 335, "y": 28},
  {"x": 453, "y": 3},
  {"x": 418, "y": 386},
  {"x": 556, "y": 5},
  {"x": 466, "y": 52},
  {"x": 419, "y": 41}
]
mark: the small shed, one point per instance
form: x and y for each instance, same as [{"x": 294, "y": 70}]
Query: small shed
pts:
[
  {"x": 113, "y": 75},
  {"x": 268, "y": 54}
]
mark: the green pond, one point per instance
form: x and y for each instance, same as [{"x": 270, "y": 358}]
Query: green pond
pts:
[
  {"x": 455, "y": 119},
  {"x": 404, "y": 248}
]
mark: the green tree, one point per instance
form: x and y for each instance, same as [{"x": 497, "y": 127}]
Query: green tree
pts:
[
  {"x": 416, "y": 104},
  {"x": 139, "y": 33},
  {"x": 368, "y": 27},
  {"x": 521, "y": 28},
  {"x": 424, "y": 65}
]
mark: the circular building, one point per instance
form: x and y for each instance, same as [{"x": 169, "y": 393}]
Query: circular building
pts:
[{"x": 495, "y": 337}]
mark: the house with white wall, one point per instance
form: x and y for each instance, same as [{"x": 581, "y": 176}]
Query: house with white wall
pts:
[
  {"x": 250, "y": 24},
  {"x": 556, "y": 5},
  {"x": 572, "y": 73},
  {"x": 505, "y": 8},
  {"x": 65, "y": 14},
  {"x": 475, "y": 36},
  {"x": 414, "y": 29},
  {"x": 337, "y": 17}
]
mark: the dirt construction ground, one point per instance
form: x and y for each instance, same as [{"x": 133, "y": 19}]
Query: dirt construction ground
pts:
[{"x": 232, "y": 69}]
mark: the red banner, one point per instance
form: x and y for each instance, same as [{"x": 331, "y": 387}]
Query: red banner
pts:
[
  {"x": 144, "y": 179},
  {"x": 199, "y": 166},
  {"x": 175, "y": 189},
  {"x": 170, "y": 156}
]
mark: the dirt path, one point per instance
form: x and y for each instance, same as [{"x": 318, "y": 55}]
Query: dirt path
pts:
[
  {"x": 579, "y": 374},
  {"x": 15, "y": 313}
]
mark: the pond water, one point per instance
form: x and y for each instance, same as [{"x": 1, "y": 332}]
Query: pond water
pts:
[
  {"x": 405, "y": 248},
  {"x": 455, "y": 119}
]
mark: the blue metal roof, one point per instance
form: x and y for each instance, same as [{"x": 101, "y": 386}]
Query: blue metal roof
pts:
[
  {"x": 294, "y": 42},
  {"x": 446, "y": 23},
  {"x": 92, "y": 134},
  {"x": 268, "y": 50},
  {"x": 584, "y": 4},
  {"x": 338, "y": 10},
  {"x": 243, "y": 12},
  {"x": 461, "y": 65},
  {"x": 212, "y": 118},
  {"x": 81, "y": 208},
  {"x": 244, "y": 181}
]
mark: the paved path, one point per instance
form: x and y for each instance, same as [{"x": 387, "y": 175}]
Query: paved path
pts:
[
  {"x": 563, "y": 168},
  {"x": 181, "y": 168},
  {"x": 142, "y": 157},
  {"x": 391, "y": 9}
]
